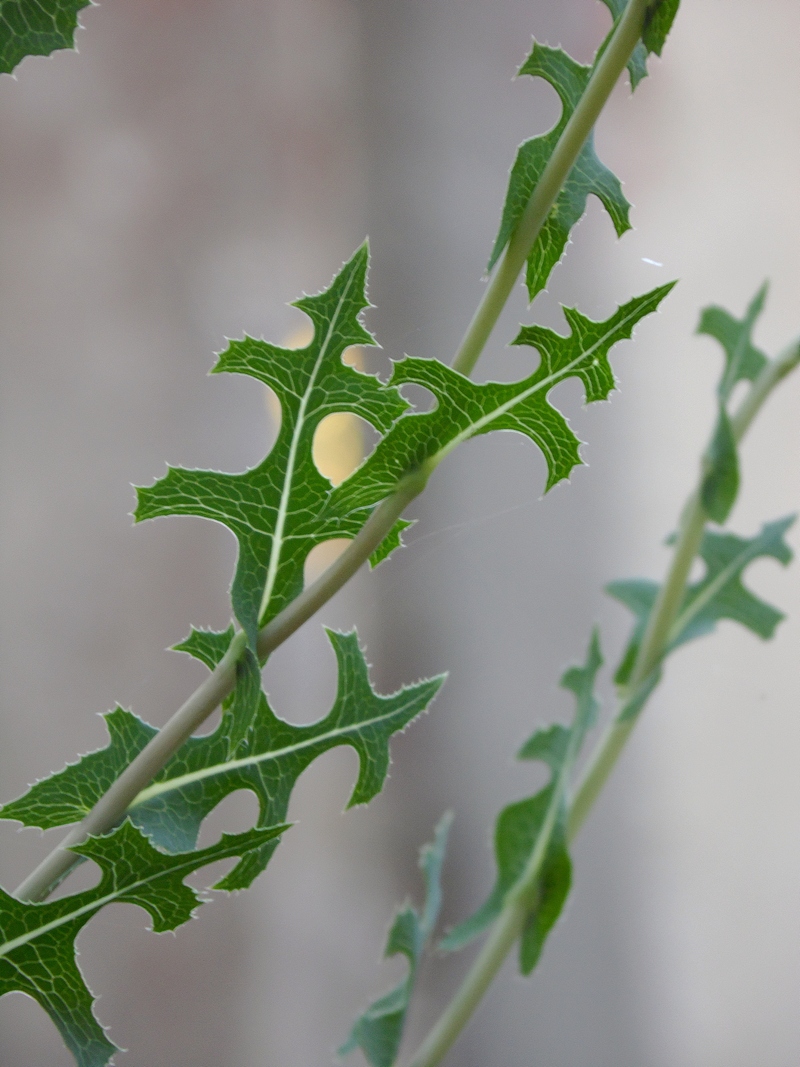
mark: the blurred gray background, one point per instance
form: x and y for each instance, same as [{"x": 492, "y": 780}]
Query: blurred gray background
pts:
[{"x": 192, "y": 169}]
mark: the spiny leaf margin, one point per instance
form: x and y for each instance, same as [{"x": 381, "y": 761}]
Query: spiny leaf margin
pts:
[
  {"x": 206, "y": 769},
  {"x": 37, "y": 941}
]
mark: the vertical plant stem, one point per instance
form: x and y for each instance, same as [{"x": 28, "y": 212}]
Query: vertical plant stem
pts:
[
  {"x": 509, "y": 924},
  {"x": 665, "y": 610},
  {"x": 604, "y": 77}
]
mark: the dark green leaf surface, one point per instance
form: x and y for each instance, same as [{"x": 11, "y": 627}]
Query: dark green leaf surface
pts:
[
  {"x": 392, "y": 541},
  {"x": 658, "y": 23},
  {"x": 268, "y": 761},
  {"x": 465, "y": 409},
  {"x": 520, "y": 826},
  {"x": 37, "y": 941},
  {"x": 589, "y": 175},
  {"x": 379, "y": 1031},
  {"x": 36, "y": 28},
  {"x": 278, "y": 509},
  {"x": 720, "y": 594}
]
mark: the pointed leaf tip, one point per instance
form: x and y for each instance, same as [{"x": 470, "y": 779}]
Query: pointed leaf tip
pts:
[{"x": 278, "y": 510}]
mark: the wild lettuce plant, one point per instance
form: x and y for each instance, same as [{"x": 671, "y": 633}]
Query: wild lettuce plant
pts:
[{"x": 135, "y": 807}]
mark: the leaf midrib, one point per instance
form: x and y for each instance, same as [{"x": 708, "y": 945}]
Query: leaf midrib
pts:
[
  {"x": 179, "y": 782},
  {"x": 95, "y": 905},
  {"x": 545, "y": 383},
  {"x": 283, "y": 507}
]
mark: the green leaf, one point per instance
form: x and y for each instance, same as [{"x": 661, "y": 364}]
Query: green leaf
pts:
[
  {"x": 379, "y": 1031},
  {"x": 588, "y": 175},
  {"x": 465, "y": 409},
  {"x": 278, "y": 509},
  {"x": 637, "y": 65},
  {"x": 743, "y": 361},
  {"x": 268, "y": 761},
  {"x": 658, "y": 22},
  {"x": 720, "y": 594},
  {"x": 36, "y": 28},
  {"x": 37, "y": 941},
  {"x": 720, "y": 482},
  {"x": 538, "y": 823},
  {"x": 392, "y": 541}
]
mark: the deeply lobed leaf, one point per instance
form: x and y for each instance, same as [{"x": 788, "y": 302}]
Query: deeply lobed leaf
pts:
[
  {"x": 529, "y": 825},
  {"x": 465, "y": 409},
  {"x": 379, "y": 1030},
  {"x": 720, "y": 594},
  {"x": 37, "y": 941},
  {"x": 206, "y": 769},
  {"x": 278, "y": 510},
  {"x": 589, "y": 175}
]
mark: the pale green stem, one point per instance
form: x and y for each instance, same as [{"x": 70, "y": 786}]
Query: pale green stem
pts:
[
  {"x": 604, "y": 77},
  {"x": 611, "y": 65},
  {"x": 657, "y": 635},
  {"x": 509, "y": 924},
  {"x": 112, "y": 806}
]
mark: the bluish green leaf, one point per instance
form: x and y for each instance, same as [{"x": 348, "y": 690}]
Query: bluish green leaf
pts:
[
  {"x": 521, "y": 826},
  {"x": 588, "y": 175},
  {"x": 379, "y": 1030},
  {"x": 36, "y": 28},
  {"x": 268, "y": 761},
  {"x": 278, "y": 510},
  {"x": 720, "y": 482},
  {"x": 743, "y": 361},
  {"x": 37, "y": 941},
  {"x": 637, "y": 65},
  {"x": 465, "y": 409},
  {"x": 720, "y": 594}
]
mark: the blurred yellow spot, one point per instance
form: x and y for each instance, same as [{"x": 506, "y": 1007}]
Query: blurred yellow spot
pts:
[
  {"x": 337, "y": 450},
  {"x": 338, "y": 443}
]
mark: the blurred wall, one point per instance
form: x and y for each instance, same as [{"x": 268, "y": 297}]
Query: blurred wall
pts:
[{"x": 194, "y": 168}]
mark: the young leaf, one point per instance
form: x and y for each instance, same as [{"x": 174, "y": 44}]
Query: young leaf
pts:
[
  {"x": 465, "y": 409},
  {"x": 589, "y": 175},
  {"x": 720, "y": 594},
  {"x": 37, "y": 941},
  {"x": 277, "y": 510},
  {"x": 743, "y": 361},
  {"x": 36, "y": 28},
  {"x": 379, "y": 1031},
  {"x": 538, "y": 823},
  {"x": 268, "y": 761}
]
